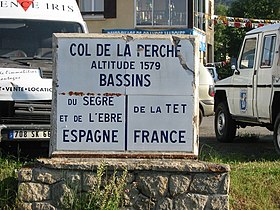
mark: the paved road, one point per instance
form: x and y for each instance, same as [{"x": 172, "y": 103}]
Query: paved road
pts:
[
  {"x": 253, "y": 148},
  {"x": 255, "y": 142}
]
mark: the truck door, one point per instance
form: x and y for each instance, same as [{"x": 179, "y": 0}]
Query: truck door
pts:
[
  {"x": 243, "y": 79},
  {"x": 264, "y": 75}
]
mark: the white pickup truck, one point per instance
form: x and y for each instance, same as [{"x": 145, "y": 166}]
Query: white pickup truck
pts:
[
  {"x": 251, "y": 96},
  {"x": 26, "y": 28}
]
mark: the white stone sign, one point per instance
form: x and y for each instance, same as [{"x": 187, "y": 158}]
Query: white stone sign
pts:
[{"x": 125, "y": 93}]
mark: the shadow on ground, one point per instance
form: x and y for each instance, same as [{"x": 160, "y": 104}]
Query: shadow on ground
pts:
[{"x": 251, "y": 143}]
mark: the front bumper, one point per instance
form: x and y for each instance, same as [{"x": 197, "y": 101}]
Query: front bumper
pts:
[
  {"x": 208, "y": 107},
  {"x": 7, "y": 132}
]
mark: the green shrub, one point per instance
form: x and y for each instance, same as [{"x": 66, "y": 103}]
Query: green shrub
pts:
[
  {"x": 8, "y": 183},
  {"x": 107, "y": 194}
]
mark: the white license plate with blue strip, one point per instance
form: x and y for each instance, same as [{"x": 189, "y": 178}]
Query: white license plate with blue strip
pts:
[{"x": 29, "y": 134}]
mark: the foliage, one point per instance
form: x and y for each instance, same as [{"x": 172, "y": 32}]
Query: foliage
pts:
[
  {"x": 8, "y": 183},
  {"x": 262, "y": 9},
  {"x": 107, "y": 194},
  {"x": 224, "y": 71},
  {"x": 228, "y": 40},
  {"x": 221, "y": 43},
  {"x": 223, "y": 2}
]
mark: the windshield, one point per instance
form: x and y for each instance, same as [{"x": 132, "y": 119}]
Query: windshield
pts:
[{"x": 31, "y": 38}]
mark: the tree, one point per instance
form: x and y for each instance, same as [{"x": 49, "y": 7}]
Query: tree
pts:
[
  {"x": 228, "y": 40},
  {"x": 221, "y": 37},
  {"x": 261, "y": 9}
]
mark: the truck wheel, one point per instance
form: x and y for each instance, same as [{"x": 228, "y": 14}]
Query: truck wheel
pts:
[
  {"x": 276, "y": 134},
  {"x": 225, "y": 126}
]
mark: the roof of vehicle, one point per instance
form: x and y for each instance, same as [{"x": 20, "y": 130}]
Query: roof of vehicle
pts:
[
  {"x": 271, "y": 27},
  {"x": 204, "y": 76},
  {"x": 62, "y": 10}
]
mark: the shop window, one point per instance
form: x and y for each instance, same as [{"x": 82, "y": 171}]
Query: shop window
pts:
[
  {"x": 103, "y": 8},
  {"x": 161, "y": 12},
  {"x": 199, "y": 14},
  {"x": 210, "y": 23}
]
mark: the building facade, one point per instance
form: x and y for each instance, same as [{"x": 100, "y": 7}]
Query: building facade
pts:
[{"x": 153, "y": 17}]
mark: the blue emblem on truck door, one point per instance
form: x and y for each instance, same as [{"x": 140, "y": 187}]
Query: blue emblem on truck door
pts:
[{"x": 243, "y": 100}]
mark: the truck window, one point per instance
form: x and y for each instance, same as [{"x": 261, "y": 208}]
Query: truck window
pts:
[
  {"x": 268, "y": 51},
  {"x": 31, "y": 38},
  {"x": 248, "y": 54}
]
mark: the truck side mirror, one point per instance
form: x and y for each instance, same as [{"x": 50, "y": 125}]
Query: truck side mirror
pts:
[{"x": 235, "y": 70}]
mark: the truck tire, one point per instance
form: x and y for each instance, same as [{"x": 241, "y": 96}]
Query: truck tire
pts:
[
  {"x": 225, "y": 126},
  {"x": 276, "y": 134}
]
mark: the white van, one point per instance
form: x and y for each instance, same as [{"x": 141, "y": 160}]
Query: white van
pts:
[
  {"x": 26, "y": 28},
  {"x": 213, "y": 72},
  {"x": 206, "y": 93}
]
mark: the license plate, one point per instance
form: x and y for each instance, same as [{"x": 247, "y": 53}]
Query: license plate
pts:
[{"x": 30, "y": 134}]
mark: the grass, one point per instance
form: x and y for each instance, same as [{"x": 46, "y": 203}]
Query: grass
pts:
[
  {"x": 8, "y": 182},
  {"x": 254, "y": 183},
  {"x": 107, "y": 194}
]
